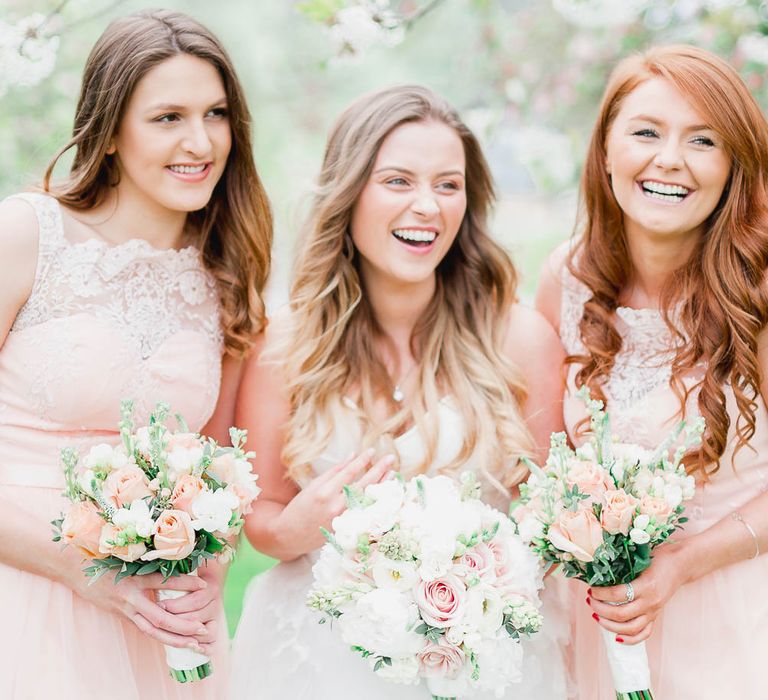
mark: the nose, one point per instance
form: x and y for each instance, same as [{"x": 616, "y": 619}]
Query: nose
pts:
[
  {"x": 425, "y": 204},
  {"x": 196, "y": 140},
  {"x": 670, "y": 155}
]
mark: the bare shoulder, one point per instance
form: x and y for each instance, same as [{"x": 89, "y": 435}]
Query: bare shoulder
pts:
[
  {"x": 530, "y": 338},
  {"x": 18, "y": 258},
  {"x": 550, "y": 288}
]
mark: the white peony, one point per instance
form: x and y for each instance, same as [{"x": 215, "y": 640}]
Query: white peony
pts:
[
  {"x": 212, "y": 510},
  {"x": 500, "y": 660},
  {"x": 182, "y": 460},
  {"x": 383, "y": 623}
]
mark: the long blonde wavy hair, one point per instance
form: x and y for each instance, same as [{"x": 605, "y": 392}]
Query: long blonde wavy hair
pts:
[
  {"x": 331, "y": 349},
  {"x": 234, "y": 230},
  {"x": 721, "y": 290}
]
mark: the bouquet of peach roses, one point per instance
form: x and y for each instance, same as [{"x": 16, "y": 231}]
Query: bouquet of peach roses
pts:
[
  {"x": 599, "y": 511},
  {"x": 161, "y": 501}
]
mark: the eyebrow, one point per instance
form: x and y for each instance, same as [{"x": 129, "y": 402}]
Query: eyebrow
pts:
[
  {"x": 410, "y": 172},
  {"x": 658, "y": 122},
  {"x": 171, "y": 107}
]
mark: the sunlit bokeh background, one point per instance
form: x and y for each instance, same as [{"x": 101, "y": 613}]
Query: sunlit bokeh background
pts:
[{"x": 525, "y": 74}]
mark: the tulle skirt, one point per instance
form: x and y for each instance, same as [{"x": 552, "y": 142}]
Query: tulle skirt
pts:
[
  {"x": 282, "y": 652},
  {"x": 709, "y": 643},
  {"x": 55, "y": 644}
]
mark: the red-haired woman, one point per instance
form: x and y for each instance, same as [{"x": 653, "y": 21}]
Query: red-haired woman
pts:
[{"x": 662, "y": 303}]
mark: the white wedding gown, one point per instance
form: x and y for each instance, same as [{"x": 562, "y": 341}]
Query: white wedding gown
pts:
[{"x": 282, "y": 652}]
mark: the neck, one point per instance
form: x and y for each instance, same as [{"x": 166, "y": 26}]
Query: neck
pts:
[
  {"x": 126, "y": 214},
  {"x": 654, "y": 259}
]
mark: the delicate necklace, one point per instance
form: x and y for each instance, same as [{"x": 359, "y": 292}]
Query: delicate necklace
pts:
[{"x": 397, "y": 394}]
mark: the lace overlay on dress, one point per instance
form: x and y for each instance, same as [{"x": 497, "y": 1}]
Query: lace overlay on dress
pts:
[
  {"x": 141, "y": 297},
  {"x": 648, "y": 346}
]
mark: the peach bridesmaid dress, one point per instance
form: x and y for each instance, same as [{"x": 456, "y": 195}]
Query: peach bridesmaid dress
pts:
[
  {"x": 711, "y": 641},
  {"x": 102, "y": 323}
]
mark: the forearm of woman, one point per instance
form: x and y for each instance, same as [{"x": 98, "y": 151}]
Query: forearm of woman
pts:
[
  {"x": 728, "y": 541},
  {"x": 270, "y": 534}
]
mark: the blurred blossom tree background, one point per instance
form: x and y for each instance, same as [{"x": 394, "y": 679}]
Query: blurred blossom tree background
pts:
[{"x": 526, "y": 75}]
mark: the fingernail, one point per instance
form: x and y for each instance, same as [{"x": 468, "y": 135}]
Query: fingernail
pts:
[
  {"x": 588, "y": 599},
  {"x": 620, "y": 640},
  {"x": 370, "y": 452},
  {"x": 595, "y": 617},
  {"x": 162, "y": 605},
  {"x": 589, "y": 592},
  {"x": 389, "y": 459}
]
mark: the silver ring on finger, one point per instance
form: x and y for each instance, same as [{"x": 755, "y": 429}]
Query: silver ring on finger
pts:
[{"x": 630, "y": 596}]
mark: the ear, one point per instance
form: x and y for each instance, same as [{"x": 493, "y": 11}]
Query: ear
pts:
[
  {"x": 607, "y": 165},
  {"x": 111, "y": 149}
]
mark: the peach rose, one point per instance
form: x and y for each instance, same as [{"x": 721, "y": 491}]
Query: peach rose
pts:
[
  {"x": 186, "y": 489},
  {"x": 82, "y": 526},
  {"x": 441, "y": 659},
  {"x": 224, "y": 468},
  {"x": 618, "y": 511},
  {"x": 174, "y": 536},
  {"x": 126, "y": 485},
  {"x": 441, "y": 601},
  {"x": 657, "y": 508},
  {"x": 577, "y": 533},
  {"x": 244, "y": 495},
  {"x": 108, "y": 545},
  {"x": 590, "y": 477},
  {"x": 185, "y": 441}
]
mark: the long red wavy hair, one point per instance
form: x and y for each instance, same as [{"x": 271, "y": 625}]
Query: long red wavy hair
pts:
[{"x": 720, "y": 290}]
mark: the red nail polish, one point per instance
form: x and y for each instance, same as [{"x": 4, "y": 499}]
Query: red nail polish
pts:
[
  {"x": 620, "y": 640},
  {"x": 595, "y": 617},
  {"x": 588, "y": 599},
  {"x": 589, "y": 592}
]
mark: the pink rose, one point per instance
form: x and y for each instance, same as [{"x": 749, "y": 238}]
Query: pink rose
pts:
[
  {"x": 590, "y": 477},
  {"x": 500, "y": 556},
  {"x": 577, "y": 533},
  {"x": 618, "y": 511},
  {"x": 186, "y": 441},
  {"x": 441, "y": 601},
  {"x": 657, "y": 508},
  {"x": 174, "y": 536},
  {"x": 126, "y": 485},
  {"x": 480, "y": 560},
  {"x": 186, "y": 489},
  {"x": 82, "y": 526},
  {"x": 441, "y": 659},
  {"x": 126, "y": 552}
]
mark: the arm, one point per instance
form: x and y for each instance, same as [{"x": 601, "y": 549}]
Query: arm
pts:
[
  {"x": 726, "y": 542},
  {"x": 285, "y": 522},
  {"x": 549, "y": 292},
  {"x": 534, "y": 347},
  {"x": 25, "y": 541}
]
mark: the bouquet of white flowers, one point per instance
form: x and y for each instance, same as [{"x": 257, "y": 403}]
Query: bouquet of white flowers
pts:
[
  {"x": 161, "y": 501},
  {"x": 599, "y": 511},
  {"x": 426, "y": 581}
]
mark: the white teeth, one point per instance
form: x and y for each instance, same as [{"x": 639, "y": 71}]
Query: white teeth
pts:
[
  {"x": 408, "y": 234},
  {"x": 664, "y": 189},
  {"x": 187, "y": 169}
]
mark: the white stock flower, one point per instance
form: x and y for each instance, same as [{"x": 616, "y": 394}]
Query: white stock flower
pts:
[
  {"x": 383, "y": 623},
  {"x": 212, "y": 510},
  {"x": 136, "y": 518},
  {"x": 639, "y": 536}
]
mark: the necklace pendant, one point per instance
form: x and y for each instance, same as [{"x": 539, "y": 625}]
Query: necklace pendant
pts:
[{"x": 397, "y": 395}]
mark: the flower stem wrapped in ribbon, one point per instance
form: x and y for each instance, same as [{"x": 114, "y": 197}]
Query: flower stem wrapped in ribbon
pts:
[
  {"x": 599, "y": 511},
  {"x": 161, "y": 501}
]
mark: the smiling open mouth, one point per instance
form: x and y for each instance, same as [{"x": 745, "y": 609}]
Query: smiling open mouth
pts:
[
  {"x": 415, "y": 237},
  {"x": 664, "y": 192}
]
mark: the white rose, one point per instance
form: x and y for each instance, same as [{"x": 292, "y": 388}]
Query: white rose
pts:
[
  {"x": 212, "y": 510},
  {"x": 639, "y": 536},
  {"x": 383, "y": 623}
]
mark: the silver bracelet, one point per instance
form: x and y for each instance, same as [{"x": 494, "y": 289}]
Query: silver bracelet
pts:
[{"x": 738, "y": 516}]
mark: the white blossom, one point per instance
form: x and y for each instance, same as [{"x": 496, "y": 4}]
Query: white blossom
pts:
[{"x": 26, "y": 58}]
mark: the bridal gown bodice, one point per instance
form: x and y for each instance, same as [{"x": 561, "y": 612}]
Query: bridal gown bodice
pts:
[
  {"x": 711, "y": 640},
  {"x": 102, "y": 323},
  {"x": 281, "y": 650}
]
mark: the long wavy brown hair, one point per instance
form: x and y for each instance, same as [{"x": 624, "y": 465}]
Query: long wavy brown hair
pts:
[
  {"x": 332, "y": 352},
  {"x": 719, "y": 293},
  {"x": 234, "y": 230}
]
